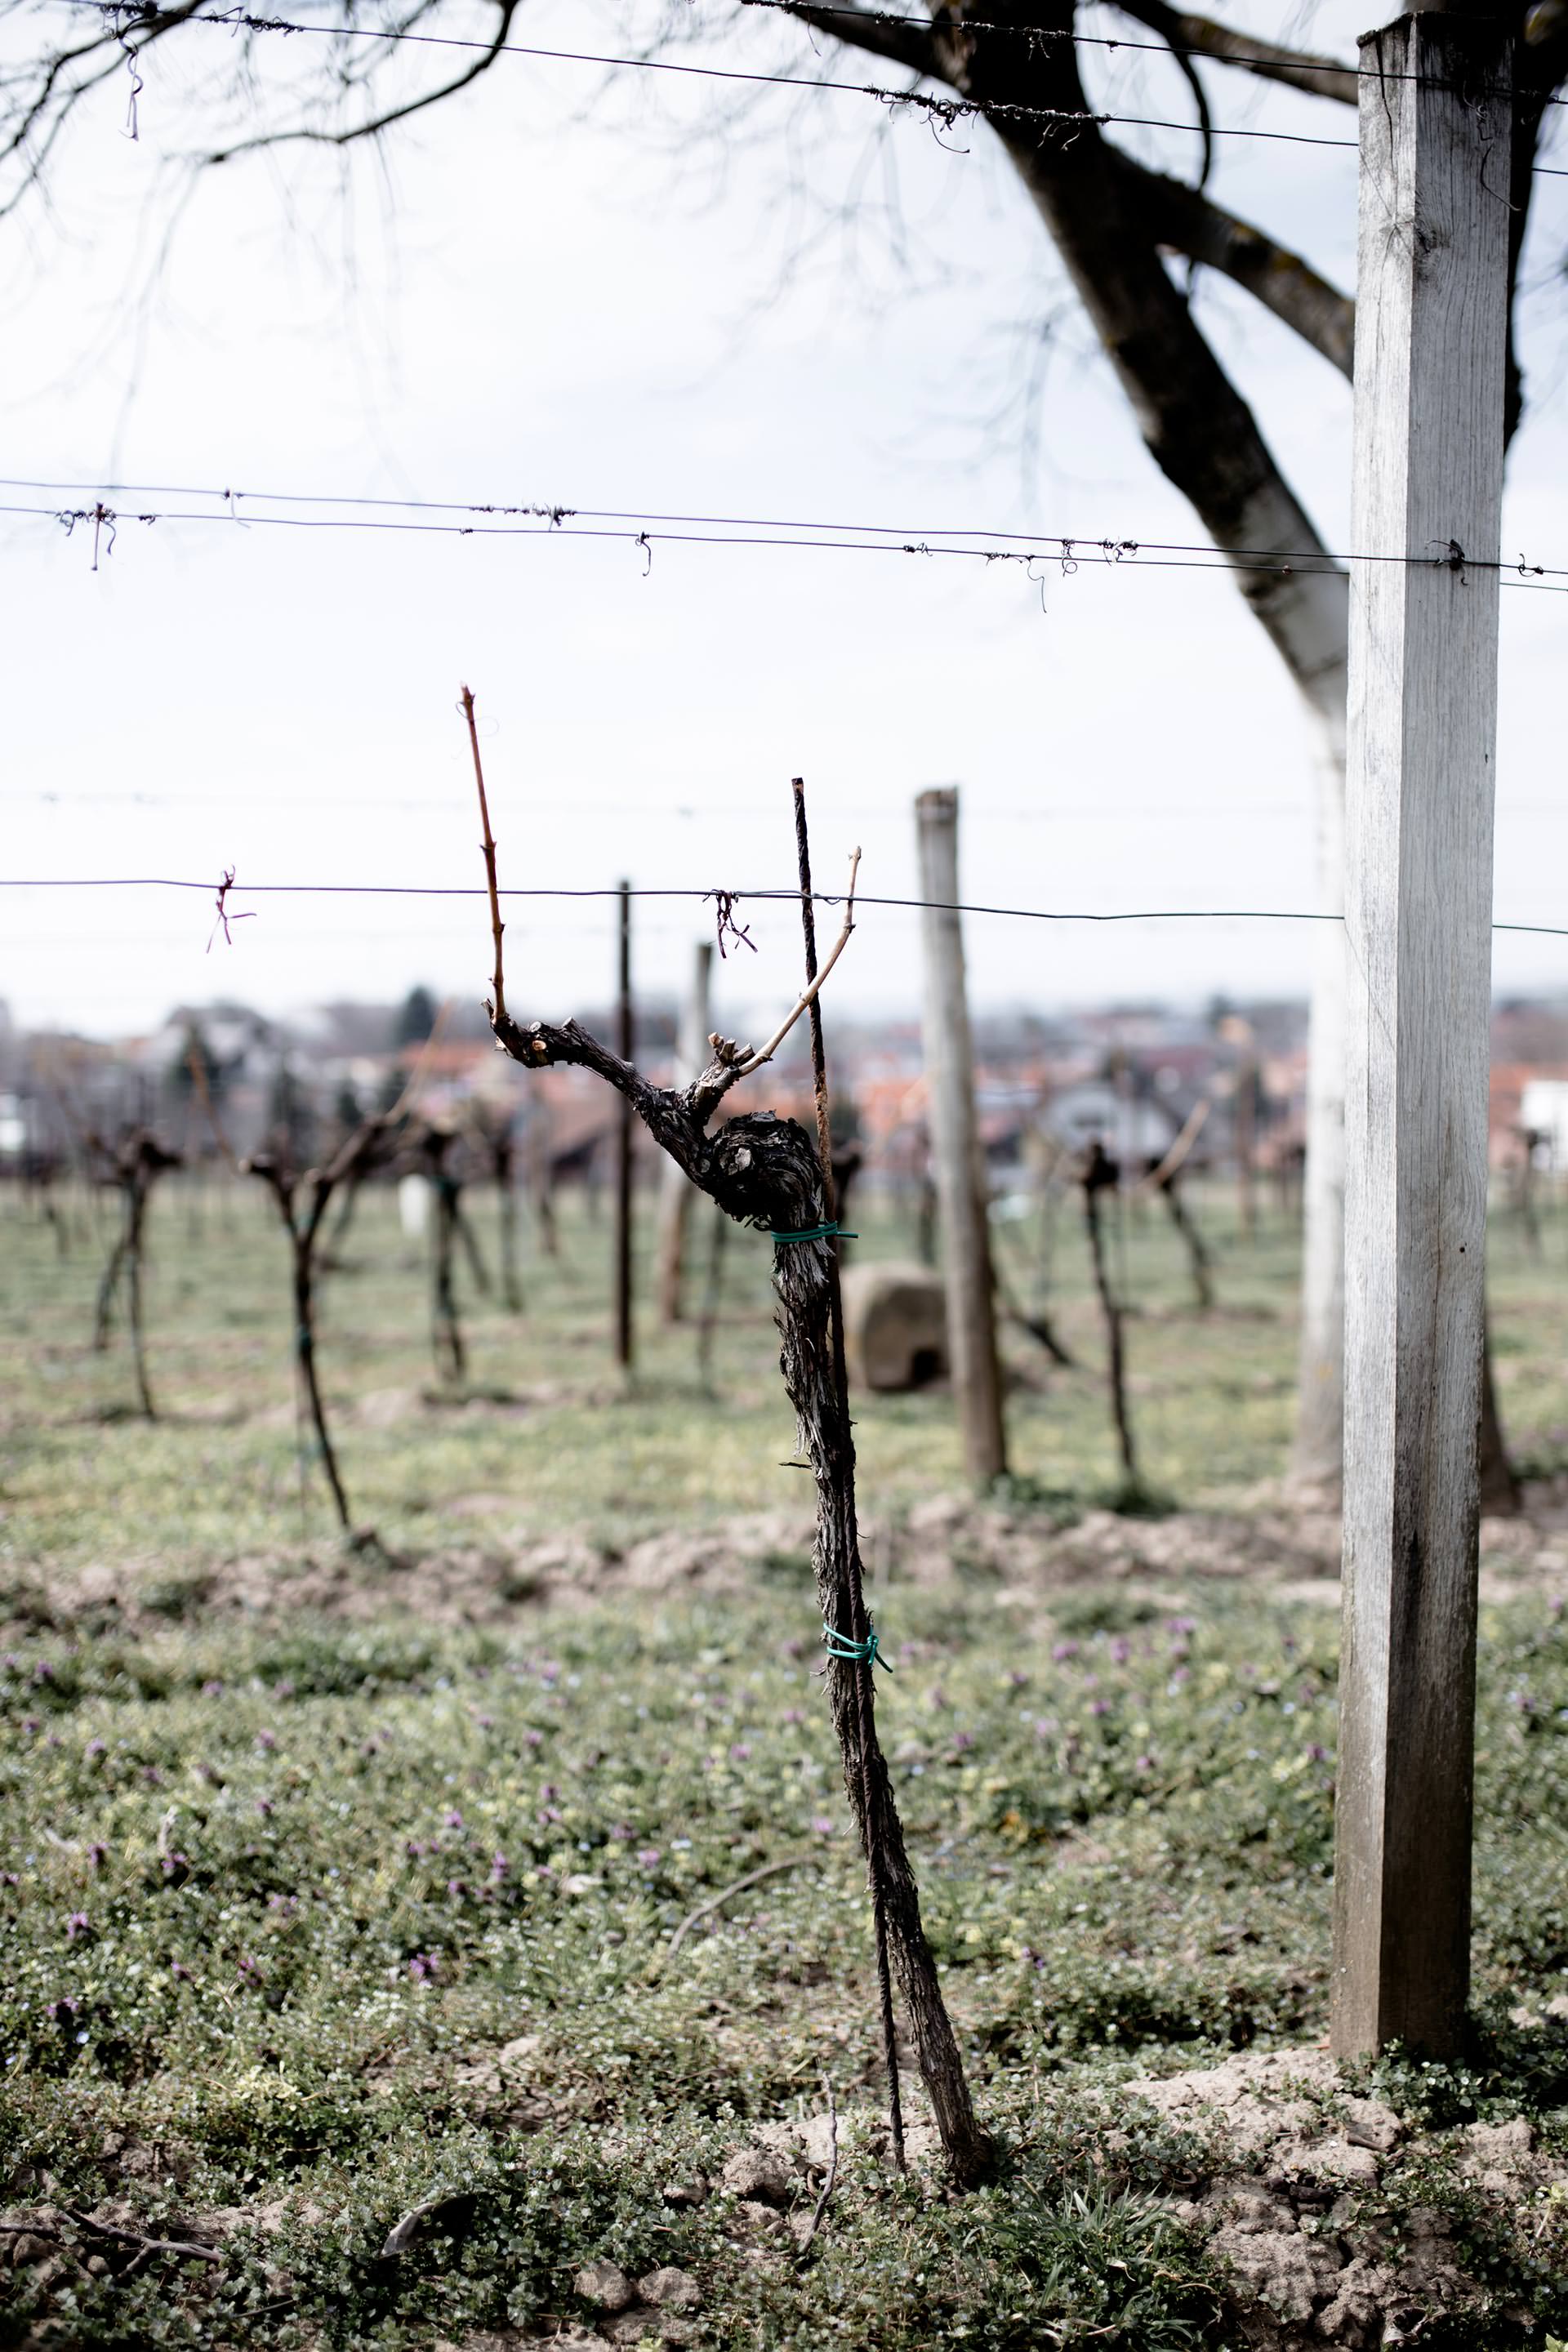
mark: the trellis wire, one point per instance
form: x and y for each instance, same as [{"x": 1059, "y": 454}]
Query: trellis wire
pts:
[
  {"x": 556, "y": 521},
  {"x": 947, "y": 110},
  {"x": 690, "y": 891}
]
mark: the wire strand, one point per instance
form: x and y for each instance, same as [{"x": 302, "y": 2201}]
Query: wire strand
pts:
[
  {"x": 789, "y": 894},
  {"x": 554, "y": 521},
  {"x": 949, "y": 111},
  {"x": 125, "y": 14}
]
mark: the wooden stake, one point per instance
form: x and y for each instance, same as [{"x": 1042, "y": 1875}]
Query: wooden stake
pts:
[
  {"x": 859, "y": 1622},
  {"x": 624, "y": 1336},
  {"x": 676, "y": 1192},
  {"x": 1431, "y": 333},
  {"x": 955, "y": 1145}
]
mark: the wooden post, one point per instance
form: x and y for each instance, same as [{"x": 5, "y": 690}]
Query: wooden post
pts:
[
  {"x": 624, "y": 1043},
  {"x": 676, "y": 1190},
  {"x": 1431, "y": 329},
  {"x": 955, "y": 1144}
]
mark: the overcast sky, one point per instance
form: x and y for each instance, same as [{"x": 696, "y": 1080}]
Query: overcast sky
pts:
[{"x": 553, "y": 291}]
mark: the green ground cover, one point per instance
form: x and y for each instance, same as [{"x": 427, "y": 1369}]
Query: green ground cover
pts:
[{"x": 309, "y": 1922}]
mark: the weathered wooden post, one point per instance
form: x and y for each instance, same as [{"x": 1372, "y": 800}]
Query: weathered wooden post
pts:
[
  {"x": 956, "y": 1143},
  {"x": 624, "y": 1143},
  {"x": 676, "y": 1190},
  {"x": 1431, "y": 329}
]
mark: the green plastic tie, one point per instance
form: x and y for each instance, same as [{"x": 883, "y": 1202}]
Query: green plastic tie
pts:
[
  {"x": 867, "y": 1653},
  {"x": 814, "y": 1234}
]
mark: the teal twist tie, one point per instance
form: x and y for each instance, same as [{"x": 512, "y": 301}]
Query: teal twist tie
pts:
[
  {"x": 814, "y": 1234},
  {"x": 867, "y": 1653}
]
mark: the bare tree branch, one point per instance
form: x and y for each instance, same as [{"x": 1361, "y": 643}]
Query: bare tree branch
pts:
[
  {"x": 1180, "y": 216},
  {"x": 905, "y": 43},
  {"x": 1319, "y": 77}
]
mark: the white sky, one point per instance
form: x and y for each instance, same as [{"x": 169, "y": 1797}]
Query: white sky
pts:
[{"x": 560, "y": 294}]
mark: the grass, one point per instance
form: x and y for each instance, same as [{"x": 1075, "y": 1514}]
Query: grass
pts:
[{"x": 320, "y": 1921}]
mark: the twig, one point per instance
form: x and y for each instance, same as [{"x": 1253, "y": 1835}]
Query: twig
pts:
[
  {"x": 497, "y": 1008},
  {"x": 751, "y": 1062},
  {"x": 402, "y": 2231},
  {"x": 136, "y": 2237},
  {"x": 716, "y": 1901},
  {"x": 224, "y": 916},
  {"x": 832, "y": 2170},
  {"x": 1163, "y": 1170}
]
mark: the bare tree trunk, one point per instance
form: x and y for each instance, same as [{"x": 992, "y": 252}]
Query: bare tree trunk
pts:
[
  {"x": 1197, "y": 1250},
  {"x": 137, "y": 1159},
  {"x": 503, "y": 1157},
  {"x": 675, "y": 1193},
  {"x": 1100, "y": 1174},
  {"x": 464, "y": 1230},
  {"x": 710, "y": 1295},
  {"x": 764, "y": 1171},
  {"x": 623, "y": 1037},
  {"x": 109, "y": 1282},
  {"x": 302, "y": 1219},
  {"x": 541, "y": 1180},
  {"x": 133, "y": 1307},
  {"x": 305, "y": 1356},
  {"x": 446, "y": 1332}
]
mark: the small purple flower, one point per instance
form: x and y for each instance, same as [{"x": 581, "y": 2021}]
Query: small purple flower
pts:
[
  {"x": 740, "y": 1751},
  {"x": 1101, "y": 1706},
  {"x": 961, "y": 1740},
  {"x": 648, "y": 1857},
  {"x": 1019, "y": 1678},
  {"x": 62, "y": 2011},
  {"x": 485, "y": 1722},
  {"x": 1179, "y": 1674},
  {"x": 97, "y": 1855},
  {"x": 1063, "y": 1650},
  {"x": 264, "y": 1807},
  {"x": 822, "y": 1825},
  {"x": 1317, "y": 1753},
  {"x": 31, "y": 1723},
  {"x": 266, "y": 1739},
  {"x": 534, "y": 1738},
  {"x": 421, "y": 1965},
  {"x": 178, "y": 1969},
  {"x": 792, "y": 1714},
  {"x": 174, "y": 1862},
  {"x": 455, "y": 1888},
  {"x": 95, "y": 1749},
  {"x": 1120, "y": 1650},
  {"x": 213, "y": 1689},
  {"x": 43, "y": 1672},
  {"x": 285, "y": 1689},
  {"x": 454, "y": 1818},
  {"x": 247, "y": 1970},
  {"x": 77, "y": 1925},
  {"x": 500, "y": 1868},
  {"x": 1143, "y": 1764}
]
